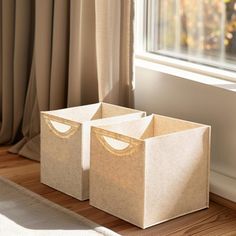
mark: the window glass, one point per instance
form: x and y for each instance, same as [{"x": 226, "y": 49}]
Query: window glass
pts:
[{"x": 202, "y": 31}]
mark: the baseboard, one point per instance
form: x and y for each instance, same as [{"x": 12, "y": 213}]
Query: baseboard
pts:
[
  {"x": 222, "y": 201},
  {"x": 223, "y": 188}
]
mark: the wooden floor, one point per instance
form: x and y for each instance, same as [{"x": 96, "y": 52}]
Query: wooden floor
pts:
[{"x": 217, "y": 220}]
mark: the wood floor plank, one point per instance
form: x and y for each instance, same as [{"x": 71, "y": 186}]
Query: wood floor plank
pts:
[{"x": 215, "y": 221}]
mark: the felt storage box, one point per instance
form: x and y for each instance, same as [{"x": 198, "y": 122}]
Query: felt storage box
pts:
[
  {"x": 150, "y": 170},
  {"x": 65, "y": 144}
]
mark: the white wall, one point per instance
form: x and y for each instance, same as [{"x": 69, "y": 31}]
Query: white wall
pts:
[{"x": 165, "y": 94}]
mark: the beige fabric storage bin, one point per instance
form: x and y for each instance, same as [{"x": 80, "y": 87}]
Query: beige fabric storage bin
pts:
[
  {"x": 150, "y": 170},
  {"x": 65, "y": 144}
]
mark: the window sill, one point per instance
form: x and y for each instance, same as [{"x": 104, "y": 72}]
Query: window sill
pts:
[{"x": 190, "y": 71}]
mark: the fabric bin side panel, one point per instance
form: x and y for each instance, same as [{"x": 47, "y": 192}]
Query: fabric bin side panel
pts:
[
  {"x": 110, "y": 110},
  {"x": 117, "y": 181},
  {"x": 61, "y": 160},
  {"x": 167, "y": 125},
  {"x": 85, "y": 146},
  {"x": 176, "y": 173}
]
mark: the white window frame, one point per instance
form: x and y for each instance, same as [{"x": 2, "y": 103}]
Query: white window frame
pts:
[{"x": 141, "y": 52}]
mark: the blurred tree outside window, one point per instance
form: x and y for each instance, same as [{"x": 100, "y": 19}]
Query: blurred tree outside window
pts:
[{"x": 202, "y": 31}]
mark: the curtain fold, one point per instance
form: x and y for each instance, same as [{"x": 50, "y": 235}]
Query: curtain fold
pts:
[
  {"x": 82, "y": 80},
  {"x": 114, "y": 47},
  {"x": 57, "y": 54},
  {"x": 7, "y": 51}
]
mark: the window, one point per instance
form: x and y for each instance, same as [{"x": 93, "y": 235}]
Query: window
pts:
[{"x": 200, "y": 31}]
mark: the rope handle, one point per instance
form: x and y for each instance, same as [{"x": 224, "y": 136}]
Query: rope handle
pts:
[{"x": 49, "y": 119}]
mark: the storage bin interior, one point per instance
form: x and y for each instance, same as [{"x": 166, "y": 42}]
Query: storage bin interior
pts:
[
  {"x": 77, "y": 114},
  {"x": 60, "y": 119},
  {"x": 91, "y": 112},
  {"x": 151, "y": 126},
  {"x": 144, "y": 128}
]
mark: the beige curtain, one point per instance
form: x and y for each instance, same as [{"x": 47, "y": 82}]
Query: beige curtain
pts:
[
  {"x": 60, "y": 53},
  {"x": 114, "y": 40}
]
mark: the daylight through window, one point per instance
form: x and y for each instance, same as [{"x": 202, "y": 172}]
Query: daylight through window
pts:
[{"x": 202, "y": 31}]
